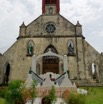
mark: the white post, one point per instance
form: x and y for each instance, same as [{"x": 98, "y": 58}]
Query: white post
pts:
[
  {"x": 34, "y": 63},
  {"x": 65, "y": 63}
]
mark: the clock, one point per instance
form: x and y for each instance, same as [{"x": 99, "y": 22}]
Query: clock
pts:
[{"x": 50, "y": 28}]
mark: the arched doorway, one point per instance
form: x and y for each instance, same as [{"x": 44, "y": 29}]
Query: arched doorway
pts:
[
  {"x": 7, "y": 73},
  {"x": 50, "y": 63}
]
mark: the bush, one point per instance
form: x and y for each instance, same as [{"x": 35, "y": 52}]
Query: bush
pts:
[
  {"x": 33, "y": 91},
  {"x": 47, "y": 100},
  {"x": 75, "y": 98},
  {"x": 51, "y": 97},
  {"x": 14, "y": 92},
  {"x": 2, "y": 92},
  {"x": 30, "y": 93}
]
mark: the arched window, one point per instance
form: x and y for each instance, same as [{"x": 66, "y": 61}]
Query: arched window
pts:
[
  {"x": 7, "y": 73},
  {"x": 70, "y": 47},
  {"x": 93, "y": 71},
  {"x": 30, "y": 48}
]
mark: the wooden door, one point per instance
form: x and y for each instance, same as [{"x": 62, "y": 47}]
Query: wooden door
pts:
[{"x": 50, "y": 64}]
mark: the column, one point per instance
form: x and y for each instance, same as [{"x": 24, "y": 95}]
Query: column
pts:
[
  {"x": 65, "y": 63},
  {"x": 34, "y": 63}
]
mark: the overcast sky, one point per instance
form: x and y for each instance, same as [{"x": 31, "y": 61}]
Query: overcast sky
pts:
[{"x": 88, "y": 12}]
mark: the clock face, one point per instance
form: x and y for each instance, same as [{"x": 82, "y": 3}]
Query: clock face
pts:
[{"x": 50, "y": 28}]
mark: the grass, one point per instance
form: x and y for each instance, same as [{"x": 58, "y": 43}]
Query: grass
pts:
[
  {"x": 2, "y": 101},
  {"x": 95, "y": 95}
]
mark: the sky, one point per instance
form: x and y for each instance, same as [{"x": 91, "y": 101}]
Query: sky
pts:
[{"x": 88, "y": 12}]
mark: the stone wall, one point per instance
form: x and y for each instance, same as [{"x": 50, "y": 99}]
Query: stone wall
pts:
[
  {"x": 91, "y": 56},
  {"x": 63, "y": 27},
  {"x": 60, "y": 91},
  {"x": 101, "y": 68},
  {"x": 1, "y": 68},
  {"x": 20, "y": 63}
]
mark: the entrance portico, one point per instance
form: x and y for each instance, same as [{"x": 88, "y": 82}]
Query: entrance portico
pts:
[{"x": 50, "y": 67}]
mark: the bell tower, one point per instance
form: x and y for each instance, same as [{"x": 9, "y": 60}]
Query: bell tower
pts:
[{"x": 50, "y": 7}]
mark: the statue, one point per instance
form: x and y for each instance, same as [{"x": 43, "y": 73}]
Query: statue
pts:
[
  {"x": 30, "y": 49},
  {"x": 70, "y": 49}
]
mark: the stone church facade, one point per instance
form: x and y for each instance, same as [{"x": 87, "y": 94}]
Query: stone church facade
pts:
[{"x": 51, "y": 31}]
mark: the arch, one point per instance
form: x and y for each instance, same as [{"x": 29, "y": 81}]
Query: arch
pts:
[
  {"x": 7, "y": 73},
  {"x": 70, "y": 47},
  {"x": 30, "y": 47},
  {"x": 53, "y": 49},
  {"x": 49, "y": 53}
]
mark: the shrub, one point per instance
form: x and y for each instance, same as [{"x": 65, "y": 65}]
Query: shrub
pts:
[
  {"x": 14, "y": 92},
  {"x": 26, "y": 95},
  {"x": 31, "y": 93},
  {"x": 47, "y": 100},
  {"x": 75, "y": 98},
  {"x": 2, "y": 92},
  {"x": 51, "y": 97}
]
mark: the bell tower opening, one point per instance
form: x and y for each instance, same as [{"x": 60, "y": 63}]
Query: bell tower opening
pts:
[
  {"x": 50, "y": 2},
  {"x": 47, "y": 4}
]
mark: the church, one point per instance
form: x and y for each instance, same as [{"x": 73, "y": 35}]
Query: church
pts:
[{"x": 51, "y": 32}]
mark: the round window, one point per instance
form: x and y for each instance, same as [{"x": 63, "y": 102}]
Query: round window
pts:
[{"x": 50, "y": 28}]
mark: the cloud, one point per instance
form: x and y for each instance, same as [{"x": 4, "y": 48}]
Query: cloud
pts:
[
  {"x": 65, "y": 1},
  {"x": 14, "y": 12},
  {"x": 89, "y": 13}
]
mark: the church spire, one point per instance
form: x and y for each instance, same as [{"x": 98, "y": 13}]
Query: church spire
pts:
[{"x": 55, "y": 3}]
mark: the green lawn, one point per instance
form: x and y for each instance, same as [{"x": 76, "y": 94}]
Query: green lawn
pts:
[
  {"x": 2, "y": 101},
  {"x": 95, "y": 95}
]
